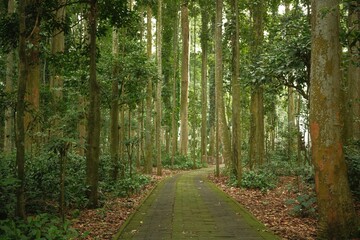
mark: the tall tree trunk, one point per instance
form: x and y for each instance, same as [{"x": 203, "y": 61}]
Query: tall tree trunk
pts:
[
  {"x": 9, "y": 111},
  {"x": 257, "y": 151},
  {"x": 352, "y": 122},
  {"x": 204, "y": 67},
  {"x": 20, "y": 112},
  {"x": 184, "y": 101},
  {"x": 158, "y": 86},
  {"x": 337, "y": 218},
  {"x": 174, "y": 125},
  {"x": 32, "y": 95},
  {"x": 114, "y": 111},
  {"x": 148, "y": 124},
  {"x": 219, "y": 89},
  {"x": 236, "y": 93},
  {"x": 122, "y": 133},
  {"x": 291, "y": 123},
  {"x": 93, "y": 138}
]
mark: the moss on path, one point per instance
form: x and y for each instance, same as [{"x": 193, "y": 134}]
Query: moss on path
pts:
[{"x": 187, "y": 206}]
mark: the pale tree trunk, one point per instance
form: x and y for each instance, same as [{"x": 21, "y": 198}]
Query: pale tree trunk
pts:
[
  {"x": 212, "y": 113},
  {"x": 174, "y": 125},
  {"x": 291, "y": 123},
  {"x": 93, "y": 138},
  {"x": 32, "y": 95},
  {"x": 9, "y": 112},
  {"x": 257, "y": 150},
  {"x": 219, "y": 89},
  {"x": 300, "y": 144},
  {"x": 158, "y": 87},
  {"x": 204, "y": 75},
  {"x": 236, "y": 94},
  {"x": 184, "y": 101},
  {"x": 337, "y": 218},
  {"x": 352, "y": 122},
  {"x": 82, "y": 125},
  {"x": 193, "y": 135},
  {"x": 148, "y": 123},
  {"x": 20, "y": 112},
  {"x": 122, "y": 133},
  {"x": 114, "y": 111}
]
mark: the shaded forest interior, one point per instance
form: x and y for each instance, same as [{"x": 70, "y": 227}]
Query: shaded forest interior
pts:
[{"x": 98, "y": 96}]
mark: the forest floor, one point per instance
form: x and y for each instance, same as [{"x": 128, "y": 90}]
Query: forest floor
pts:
[{"x": 269, "y": 207}]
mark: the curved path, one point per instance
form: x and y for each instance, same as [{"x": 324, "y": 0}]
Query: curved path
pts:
[{"x": 187, "y": 206}]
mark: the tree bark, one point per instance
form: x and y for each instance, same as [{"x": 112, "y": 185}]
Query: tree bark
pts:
[
  {"x": 9, "y": 111},
  {"x": 114, "y": 111},
  {"x": 337, "y": 218},
  {"x": 20, "y": 112},
  {"x": 220, "y": 105},
  {"x": 184, "y": 101},
  {"x": 93, "y": 138},
  {"x": 159, "y": 87},
  {"x": 257, "y": 151},
  {"x": 236, "y": 94},
  {"x": 148, "y": 124},
  {"x": 204, "y": 62}
]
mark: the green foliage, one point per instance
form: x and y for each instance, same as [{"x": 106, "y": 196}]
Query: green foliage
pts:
[
  {"x": 353, "y": 161},
  {"x": 262, "y": 179},
  {"x": 43, "y": 226},
  {"x": 180, "y": 162},
  {"x": 9, "y": 32},
  {"x": 130, "y": 185},
  {"x": 303, "y": 205},
  {"x": 8, "y": 185}
]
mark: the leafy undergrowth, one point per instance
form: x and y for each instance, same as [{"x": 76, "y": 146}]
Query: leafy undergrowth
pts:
[
  {"x": 272, "y": 207},
  {"x": 103, "y": 223}
]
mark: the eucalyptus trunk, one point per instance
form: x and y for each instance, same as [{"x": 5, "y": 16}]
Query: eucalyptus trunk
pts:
[
  {"x": 236, "y": 94},
  {"x": 184, "y": 101},
  {"x": 93, "y": 137},
  {"x": 291, "y": 123},
  {"x": 337, "y": 218},
  {"x": 9, "y": 111},
  {"x": 114, "y": 111},
  {"x": 20, "y": 112},
  {"x": 219, "y": 89},
  {"x": 158, "y": 87},
  {"x": 257, "y": 136},
  {"x": 149, "y": 105},
  {"x": 204, "y": 75}
]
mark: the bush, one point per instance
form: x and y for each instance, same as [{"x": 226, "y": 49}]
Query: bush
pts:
[
  {"x": 127, "y": 186},
  {"x": 259, "y": 179},
  {"x": 8, "y": 185},
  {"x": 181, "y": 162},
  {"x": 43, "y": 226},
  {"x": 303, "y": 205}
]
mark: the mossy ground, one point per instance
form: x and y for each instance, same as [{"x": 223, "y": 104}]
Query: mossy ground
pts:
[{"x": 188, "y": 207}]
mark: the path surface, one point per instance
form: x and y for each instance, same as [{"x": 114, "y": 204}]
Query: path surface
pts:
[{"x": 186, "y": 206}]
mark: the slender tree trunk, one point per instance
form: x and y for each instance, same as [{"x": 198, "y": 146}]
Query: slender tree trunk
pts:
[
  {"x": 352, "y": 122},
  {"x": 82, "y": 125},
  {"x": 20, "y": 112},
  {"x": 159, "y": 87},
  {"x": 174, "y": 125},
  {"x": 9, "y": 111},
  {"x": 93, "y": 138},
  {"x": 291, "y": 123},
  {"x": 148, "y": 124},
  {"x": 236, "y": 93},
  {"x": 32, "y": 95},
  {"x": 204, "y": 60},
  {"x": 122, "y": 133},
  {"x": 114, "y": 112},
  {"x": 257, "y": 151},
  {"x": 220, "y": 105},
  {"x": 337, "y": 218},
  {"x": 184, "y": 101}
]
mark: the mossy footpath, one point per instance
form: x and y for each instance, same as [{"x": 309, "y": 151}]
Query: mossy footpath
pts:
[{"x": 187, "y": 206}]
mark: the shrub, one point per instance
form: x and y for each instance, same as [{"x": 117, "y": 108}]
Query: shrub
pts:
[
  {"x": 43, "y": 226},
  {"x": 303, "y": 205},
  {"x": 259, "y": 179},
  {"x": 353, "y": 161},
  {"x": 180, "y": 162}
]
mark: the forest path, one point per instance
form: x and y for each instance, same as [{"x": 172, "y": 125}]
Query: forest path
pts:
[{"x": 187, "y": 206}]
